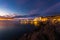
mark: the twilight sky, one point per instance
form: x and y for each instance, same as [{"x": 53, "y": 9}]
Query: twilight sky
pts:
[{"x": 29, "y": 7}]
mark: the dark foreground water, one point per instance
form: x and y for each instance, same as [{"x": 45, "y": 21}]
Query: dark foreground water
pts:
[{"x": 12, "y": 30}]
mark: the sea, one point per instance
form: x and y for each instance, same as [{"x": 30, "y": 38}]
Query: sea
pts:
[{"x": 13, "y": 30}]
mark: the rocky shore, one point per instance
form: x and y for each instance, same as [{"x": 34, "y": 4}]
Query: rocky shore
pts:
[{"x": 44, "y": 32}]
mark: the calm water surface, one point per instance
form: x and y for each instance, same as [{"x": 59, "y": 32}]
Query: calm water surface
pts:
[{"x": 10, "y": 30}]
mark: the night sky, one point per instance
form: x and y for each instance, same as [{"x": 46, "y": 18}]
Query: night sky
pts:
[{"x": 29, "y": 7}]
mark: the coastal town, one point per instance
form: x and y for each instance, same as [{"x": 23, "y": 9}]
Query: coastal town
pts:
[{"x": 35, "y": 20}]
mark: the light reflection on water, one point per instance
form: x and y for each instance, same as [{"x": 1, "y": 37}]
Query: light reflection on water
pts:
[
  {"x": 7, "y": 24},
  {"x": 11, "y": 29},
  {"x": 35, "y": 23}
]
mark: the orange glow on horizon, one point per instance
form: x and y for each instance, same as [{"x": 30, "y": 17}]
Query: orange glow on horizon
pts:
[{"x": 6, "y": 18}]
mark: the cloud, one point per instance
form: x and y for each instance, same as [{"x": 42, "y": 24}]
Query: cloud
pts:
[
  {"x": 20, "y": 2},
  {"x": 39, "y": 4},
  {"x": 35, "y": 8},
  {"x": 33, "y": 11},
  {"x": 51, "y": 10}
]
